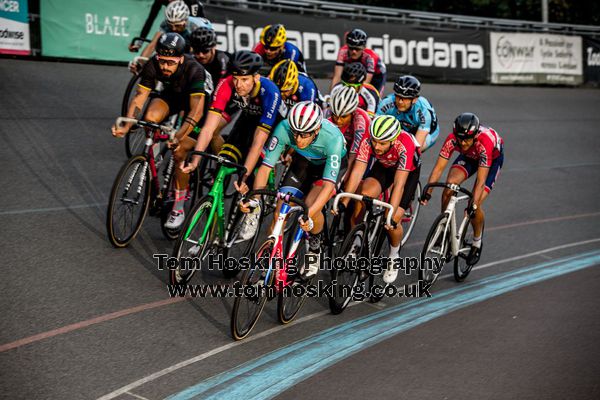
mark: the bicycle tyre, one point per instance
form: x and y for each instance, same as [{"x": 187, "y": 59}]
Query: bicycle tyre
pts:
[
  {"x": 461, "y": 272},
  {"x": 337, "y": 304},
  {"x": 437, "y": 228},
  {"x": 377, "y": 279},
  {"x": 253, "y": 276},
  {"x": 134, "y": 163},
  {"x": 415, "y": 206}
]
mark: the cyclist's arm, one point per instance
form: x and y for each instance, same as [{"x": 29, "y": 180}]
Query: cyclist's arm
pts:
[
  {"x": 351, "y": 159},
  {"x": 147, "y": 52},
  {"x": 337, "y": 76},
  {"x": 137, "y": 104},
  {"x": 156, "y": 6},
  {"x": 479, "y": 189},
  {"x": 356, "y": 174},
  {"x": 368, "y": 78},
  {"x": 399, "y": 182},
  {"x": 213, "y": 119},
  {"x": 260, "y": 137},
  {"x": 196, "y": 109},
  {"x": 323, "y": 197},
  {"x": 262, "y": 177},
  {"x": 437, "y": 171},
  {"x": 424, "y": 127}
]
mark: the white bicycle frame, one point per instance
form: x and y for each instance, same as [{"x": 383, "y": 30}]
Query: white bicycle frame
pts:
[{"x": 454, "y": 234}]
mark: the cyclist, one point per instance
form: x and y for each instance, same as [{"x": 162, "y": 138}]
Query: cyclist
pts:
[
  {"x": 196, "y": 10},
  {"x": 355, "y": 51},
  {"x": 260, "y": 102},
  {"x": 351, "y": 120},
  {"x": 396, "y": 160},
  {"x": 317, "y": 164},
  {"x": 274, "y": 47},
  {"x": 294, "y": 86},
  {"x": 185, "y": 90},
  {"x": 482, "y": 153},
  {"x": 354, "y": 75},
  {"x": 176, "y": 20},
  {"x": 415, "y": 112}
]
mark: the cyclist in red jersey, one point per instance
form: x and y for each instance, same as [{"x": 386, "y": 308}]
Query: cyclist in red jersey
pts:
[
  {"x": 395, "y": 159},
  {"x": 355, "y": 51},
  {"x": 352, "y": 121},
  {"x": 354, "y": 75},
  {"x": 482, "y": 153}
]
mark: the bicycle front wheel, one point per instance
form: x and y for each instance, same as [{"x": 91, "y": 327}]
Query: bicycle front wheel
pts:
[
  {"x": 291, "y": 298},
  {"x": 410, "y": 215},
  {"x": 247, "y": 308},
  {"x": 461, "y": 267},
  {"x": 435, "y": 250},
  {"x": 346, "y": 277},
  {"x": 129, "y": 200},
  {"x": 193, "y": 246}
]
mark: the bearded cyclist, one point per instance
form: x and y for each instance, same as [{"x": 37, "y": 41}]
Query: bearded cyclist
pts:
[
  {"x": 295, "y": 87},
  {"x": 355, "y": 50},
  {"x": 177, "y": 20},
  {"x": 317, "y": 164},
  {"x": 482, "y": 154},
  {"x": 274, "y": 47},
  {"x": 415, "y": 112},
  {"x": 204, "y": 48},
  {"x": 260, "y": 101},
  {"x": 351, "y": 120},
  {"x": 185, "y": 90}
]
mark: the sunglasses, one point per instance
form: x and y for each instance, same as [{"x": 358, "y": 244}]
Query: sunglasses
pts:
[
  {"x": 170, "y": 63},
  {"x": 352, "y": 48},
  {"x": 177, "y": 25},
  {"x": 303, "y": 135},
  {"x": 354, "y": 85},
  {"x": 203, "y": 51},
  {"x": 272, "y": 48}
]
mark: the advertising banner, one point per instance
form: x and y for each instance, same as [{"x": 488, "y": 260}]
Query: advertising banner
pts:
[
  {"x": 591, "y": 56},
  {"x": 533, "y": 58},
  {"x": 14, "y": 27},
  {"x": 97, "y": 30}
]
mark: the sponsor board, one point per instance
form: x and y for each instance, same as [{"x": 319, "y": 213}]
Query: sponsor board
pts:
[{"x": 14, "y": 27}]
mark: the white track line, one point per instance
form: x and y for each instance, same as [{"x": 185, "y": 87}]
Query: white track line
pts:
[{"x": 268, "y": 332}]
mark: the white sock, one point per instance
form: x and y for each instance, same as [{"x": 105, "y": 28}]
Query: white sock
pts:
[
  {"x": 394, "y": 250},
  {"x": 476, "y": 242}
]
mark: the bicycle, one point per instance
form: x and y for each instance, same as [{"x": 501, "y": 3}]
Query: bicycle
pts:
[
  {"x": 444, "y": 241},
  {"x": 139, "y": 186},
  {"x": 271, "y": 274},
  {"x": 365, "y": 239}
]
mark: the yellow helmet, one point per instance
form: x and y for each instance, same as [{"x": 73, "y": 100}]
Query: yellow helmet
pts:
[
  {"x": 273, "y": 35},
  {"x": 285, "y": 75}
]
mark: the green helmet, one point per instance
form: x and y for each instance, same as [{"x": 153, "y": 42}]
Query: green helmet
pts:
[{"x": 385, "y": 128}]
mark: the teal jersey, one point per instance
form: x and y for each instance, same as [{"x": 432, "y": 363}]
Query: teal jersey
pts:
[{"x": 329, "y": 148}]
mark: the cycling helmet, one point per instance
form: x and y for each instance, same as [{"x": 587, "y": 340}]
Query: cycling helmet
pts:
[
  {"x": 354, "y": 73},
  {"x": 343, "y": 101},
  {"x": 177, "y": 12},
  {"x": 356, "y": 38},
  {"x": 245, "y": 62},
  {"x": 273, "y": 35},
  {"x": 466, "y": 126},
  {"x": 285, "y": 75},
  {"x": 407, "y": 86},
  {"x": 305, "y": 116},
  {"x": 203, "y": 38},
  {"x": 171, "y": 45},
  {"x": 385, "y": 128}
]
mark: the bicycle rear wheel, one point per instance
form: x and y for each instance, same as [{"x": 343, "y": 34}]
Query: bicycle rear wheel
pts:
[
  {"x": 129, "y": 200},
  {"x": 410, "y": 215},
  {"x": 189, "y": 249},
  {"x": 461, "y": 267},
  {"x": 247, "y": 309},
  {"x": 346, "y": 278},
  {"x": 435, "y": 249}
]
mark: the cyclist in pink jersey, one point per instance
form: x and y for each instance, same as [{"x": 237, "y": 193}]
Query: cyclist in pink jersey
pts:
[{"x": 482, "y": 153}]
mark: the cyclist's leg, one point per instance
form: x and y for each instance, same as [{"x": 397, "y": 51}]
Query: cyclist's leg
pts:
[
  {"x": 479, "y": 219},
  {"x": 157, "y": 110},
  {"x": 462, "y": 168},
  {"x": 376, "y": 181},
  {"x": 407, "y": 196}
]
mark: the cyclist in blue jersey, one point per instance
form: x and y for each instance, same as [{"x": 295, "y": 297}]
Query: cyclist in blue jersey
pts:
[
  {"x": 318, "y": 163},
  {"x": 294, "y": 86},
  {"x": 274, "y": 47},
  {"x": 415, "y": 112}
]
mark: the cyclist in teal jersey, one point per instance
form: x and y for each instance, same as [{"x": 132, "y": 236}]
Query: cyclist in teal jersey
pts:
[{"x": 318, "y": 162}]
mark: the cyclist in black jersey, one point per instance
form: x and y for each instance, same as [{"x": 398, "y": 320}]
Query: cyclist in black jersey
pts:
[
  {"x": 196, "y": 10},
  {"x": 185, "y": 89}
]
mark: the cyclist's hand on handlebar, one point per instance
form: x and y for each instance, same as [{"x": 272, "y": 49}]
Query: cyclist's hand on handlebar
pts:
[
  {"x": 119, "y": 131},
  {"x": 173, "y": 144},
  {"x": 134, "y": 67},
  {"x": 396, "y": 218},
  {"x": 243, "y": 188},
  {"x": 189, "y": 168},
  {"x": 425, "y": 198},
  {"x": 247, "y": 205},
  {"x": 342, "y": 205},
  {"x": 306, "y": 226}
]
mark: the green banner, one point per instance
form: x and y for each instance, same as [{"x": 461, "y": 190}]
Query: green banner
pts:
[{"x": 96, "y": 30}]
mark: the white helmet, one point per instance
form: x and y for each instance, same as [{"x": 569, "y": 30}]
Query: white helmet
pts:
[
  {"x": 177, "y": 12},
  {"x": 305, "y": 116},
  {"x": 343, "y": 101}
]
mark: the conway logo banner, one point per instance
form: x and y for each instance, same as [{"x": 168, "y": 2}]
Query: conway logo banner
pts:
[
  {"x": 102, "y": 29},
  {"x": 14, "y": 27},
  {"x": 591, "y": 55},
  {"x": 533, "y": 58}
]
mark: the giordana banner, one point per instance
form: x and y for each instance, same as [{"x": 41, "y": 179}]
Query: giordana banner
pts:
[{"x": 14, "y": 27}]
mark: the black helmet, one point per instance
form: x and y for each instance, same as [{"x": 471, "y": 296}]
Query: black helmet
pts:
[
  {"x": 171, "y": 45},
  {"x": 466, "y": 126},
  {"x": 356, "y": 38},
  {"x": 354, "y": 73},
  {"x": 245, "y": 62},
  {"x": 407, "y": 86},
  {"x": 203, "y": 38}
]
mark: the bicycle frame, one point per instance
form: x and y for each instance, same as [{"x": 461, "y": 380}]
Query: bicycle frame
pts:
[{"x": 455, "y": 234}]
